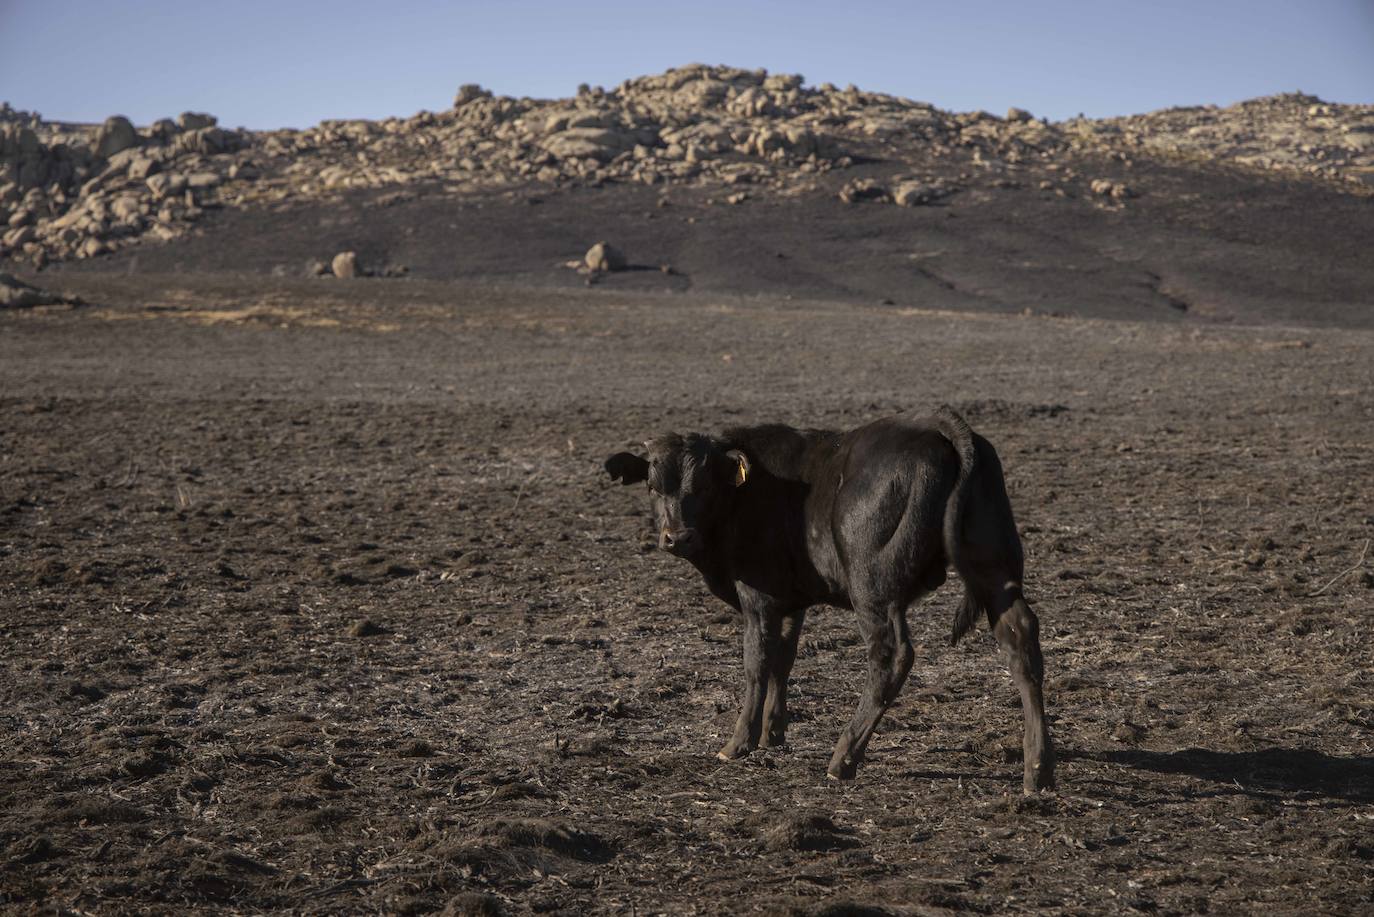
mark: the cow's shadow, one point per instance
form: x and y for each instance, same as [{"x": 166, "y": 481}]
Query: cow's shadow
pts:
[{"x": 1287, "y": 770}]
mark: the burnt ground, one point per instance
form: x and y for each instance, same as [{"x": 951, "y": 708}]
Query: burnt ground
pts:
[
  {"x": 315, "y": 599},
  {"x": 1198, "y": 241}
]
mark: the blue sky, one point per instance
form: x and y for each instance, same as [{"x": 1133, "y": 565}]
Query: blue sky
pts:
[{"x": 284, "y": 63}]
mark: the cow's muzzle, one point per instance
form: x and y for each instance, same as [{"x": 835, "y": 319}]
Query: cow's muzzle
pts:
[{"x": 682, "y": 542}]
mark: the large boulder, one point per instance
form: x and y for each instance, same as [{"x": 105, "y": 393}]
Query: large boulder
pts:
[
  {"x": 195, "y": 120},
  {"x": 345, "y": 264},
  {"x": 115, "y": 136},
  {"x": 207, "y": 141},
  {"x": 470, "y": 92},
  {"x": 601, "y": 144},
  {"x": 603, "y": 257}
]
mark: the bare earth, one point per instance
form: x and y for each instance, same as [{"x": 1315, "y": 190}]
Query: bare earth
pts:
[{"x": 315, "y": 599}]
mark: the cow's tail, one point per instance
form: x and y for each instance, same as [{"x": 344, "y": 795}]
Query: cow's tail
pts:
[{"x": 955, "y": 429}]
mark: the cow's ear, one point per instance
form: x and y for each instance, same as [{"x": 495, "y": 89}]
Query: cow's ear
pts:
[
  {"x": 627, "y": 468},
  {"x": 741, "y": 465}
]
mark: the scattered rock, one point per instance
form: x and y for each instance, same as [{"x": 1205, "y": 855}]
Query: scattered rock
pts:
[
  {"x": 1107, "y": 188},
  {"x": 603, "y": 257},
  {"x": 914, "y": 194},
  {"x": 863, "y": 189}
]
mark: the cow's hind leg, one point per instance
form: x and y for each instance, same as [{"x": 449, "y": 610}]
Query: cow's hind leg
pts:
[
  {"x": 1018, "y": 633},
  {"x": 889, "y": 662},
  {"x": 779, "y": 671}
]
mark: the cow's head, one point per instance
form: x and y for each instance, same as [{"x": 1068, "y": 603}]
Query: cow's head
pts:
[{"x": 692, "y": 480}]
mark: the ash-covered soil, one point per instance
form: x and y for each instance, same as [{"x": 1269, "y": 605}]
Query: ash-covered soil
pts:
[
  {"x": 315, "y": 599},
  {"x": 1200, "y": 242}
]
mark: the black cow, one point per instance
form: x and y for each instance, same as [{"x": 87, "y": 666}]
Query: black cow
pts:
[{"x": 779, "y": 519}]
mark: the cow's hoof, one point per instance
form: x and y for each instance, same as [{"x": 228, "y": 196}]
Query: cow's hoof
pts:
[
  {"x": 843, "y": 770},
  {"x": 1038, "y": 779},
  {"x": 732, "y": 752},
  {"x": 777, "y": 741}
]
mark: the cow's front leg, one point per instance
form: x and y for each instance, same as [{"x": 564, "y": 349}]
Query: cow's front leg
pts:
[
  {"x": 779, "y": 671},
  {"x": 762, "y": 634}
]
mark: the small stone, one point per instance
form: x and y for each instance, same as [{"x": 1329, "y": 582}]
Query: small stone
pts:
[{"x": 1019, "y": 114}]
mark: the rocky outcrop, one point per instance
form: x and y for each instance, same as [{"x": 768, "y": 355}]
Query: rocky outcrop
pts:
[
  {"x": 78, "y": 192},
  {"x": 1287, "y": 133},
  {"x": 69, "y": 192}
]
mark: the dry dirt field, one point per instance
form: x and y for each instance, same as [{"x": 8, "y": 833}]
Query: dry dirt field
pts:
[{"x": 315, "y": 599}]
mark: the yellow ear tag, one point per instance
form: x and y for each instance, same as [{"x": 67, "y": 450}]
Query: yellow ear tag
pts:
[{"x": 741, "y": 473}]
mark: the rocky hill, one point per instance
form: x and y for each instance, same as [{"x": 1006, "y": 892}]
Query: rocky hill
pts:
[{"x": 73, "y": 192}]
